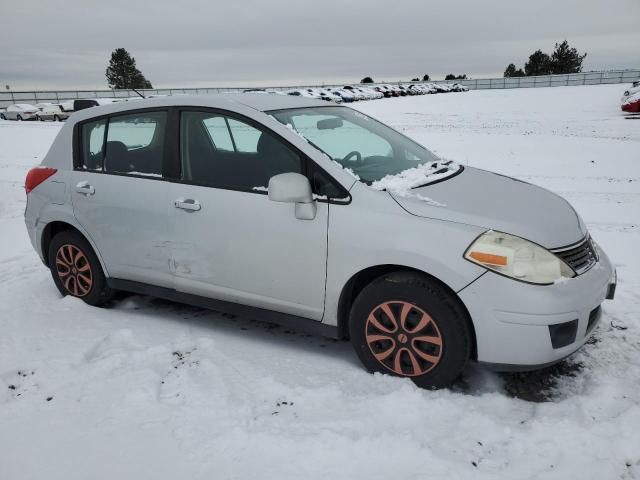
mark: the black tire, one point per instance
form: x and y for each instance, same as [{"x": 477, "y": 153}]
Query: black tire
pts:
[
  {"x": 40, "y": 118},
  {"x": 76, "y": 270},
  {"x": 2, "y": 117},
  {"x": 56, "y": 118},
  {"x": 19, "y": 118},
  {"x": 444, "y": 339}
]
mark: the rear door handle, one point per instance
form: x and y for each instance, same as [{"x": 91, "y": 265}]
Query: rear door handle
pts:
[
  {"x": 188, "y": 204},
  {"x": 85, "y": 188}
]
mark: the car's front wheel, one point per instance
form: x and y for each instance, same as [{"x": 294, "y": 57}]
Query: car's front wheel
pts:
[
  {"x": 19, "y": 118},
  {"x": 409, "y": 325},
  {"x": 76, "y": 269},
  {"x": 56, "y": 118}
]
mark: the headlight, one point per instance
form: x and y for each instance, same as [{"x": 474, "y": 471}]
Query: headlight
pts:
[{"x": 517, "y": 258}]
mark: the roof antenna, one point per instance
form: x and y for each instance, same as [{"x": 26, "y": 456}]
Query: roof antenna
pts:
[{"x": 138, "y": 93}]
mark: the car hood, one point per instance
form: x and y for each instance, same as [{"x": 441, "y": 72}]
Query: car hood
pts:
[{"x": 497, "y": 202}]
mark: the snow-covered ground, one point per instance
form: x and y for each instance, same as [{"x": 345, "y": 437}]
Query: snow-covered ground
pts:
[{"x": 151, "y": 389}]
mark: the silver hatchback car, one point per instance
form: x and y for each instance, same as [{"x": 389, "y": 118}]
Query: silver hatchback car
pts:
[{"x": 318, "y": 217}]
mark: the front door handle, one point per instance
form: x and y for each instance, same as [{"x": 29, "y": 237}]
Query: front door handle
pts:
[
  {"x": 85, "y": 188},
  {"x": 188, "y": 204}
]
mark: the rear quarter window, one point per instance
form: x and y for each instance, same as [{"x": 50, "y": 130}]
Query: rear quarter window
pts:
[{"x": 92, "y": 140}]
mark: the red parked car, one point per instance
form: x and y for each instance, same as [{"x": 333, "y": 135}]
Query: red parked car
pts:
[{"x": 632, "y": 104}]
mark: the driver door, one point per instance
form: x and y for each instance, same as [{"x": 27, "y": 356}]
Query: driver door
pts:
[{"x": 230, "y": 242}]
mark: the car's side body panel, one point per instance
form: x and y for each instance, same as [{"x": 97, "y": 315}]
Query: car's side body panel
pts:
[
  {"x": 128, "y": 221},
  {"x": 51, "y": 202},
  {"x": 374, "y": 230},
  {"x": 244, "y": 248}
]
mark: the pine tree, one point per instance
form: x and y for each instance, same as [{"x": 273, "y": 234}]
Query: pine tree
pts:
[
  {"x": 122, "y": 72},
  {"x": 566, "y": 59},
  {"x": 512, "y": 71},
  {"x": 366, "y": 80},
  {"x": 539, "y": 64},
  {"x": 426, "y": 78}
]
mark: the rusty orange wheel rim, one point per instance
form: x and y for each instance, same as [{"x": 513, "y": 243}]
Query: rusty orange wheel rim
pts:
[
  {"x": 404, "y": 338},
  {"x": 74, "y": 270}
]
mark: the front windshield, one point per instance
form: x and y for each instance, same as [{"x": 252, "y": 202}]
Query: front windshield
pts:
[{"x": 375, "y": 153}]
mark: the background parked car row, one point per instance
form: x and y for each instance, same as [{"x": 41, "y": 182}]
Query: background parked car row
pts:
[
  {"x": 354, "y": 93},
  {"x": 349, "y": 93},
  {"x": 630, "y": 101}
]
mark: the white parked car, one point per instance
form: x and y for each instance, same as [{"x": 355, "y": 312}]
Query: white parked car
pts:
[
  {"x": 321, "y": 218},
  {"x": 346, "y": 95},
  {"x": 357, "y": 93},
  {"x": 330, "y": 95},
  {"x": 302, "y": 92},
  {"x": 458, "y": 87},
  {"x": 51, "y": 111},
  {"x": 373, "y": 94},
  {"x": 20, "y": 111},
  {"x": 67, "y": 106}
]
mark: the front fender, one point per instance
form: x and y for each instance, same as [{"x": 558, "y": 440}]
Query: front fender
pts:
[{"x": 374, "y": 230}]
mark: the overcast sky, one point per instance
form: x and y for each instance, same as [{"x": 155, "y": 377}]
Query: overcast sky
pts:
[{"x": 67, "y": 44}]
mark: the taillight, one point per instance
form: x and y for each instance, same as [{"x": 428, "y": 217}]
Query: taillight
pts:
[{"x": 36, "y": 176}]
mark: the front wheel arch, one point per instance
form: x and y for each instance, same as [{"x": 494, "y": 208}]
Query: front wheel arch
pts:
[{"x": 365, "y": 277}]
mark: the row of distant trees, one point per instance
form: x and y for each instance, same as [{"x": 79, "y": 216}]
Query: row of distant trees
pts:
[
  {"x": 564, "y": 59},
  {"x": 122, "y": 72},
  {"x": 425, "y": 78}
]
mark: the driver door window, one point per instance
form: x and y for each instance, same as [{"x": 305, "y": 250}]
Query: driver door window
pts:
[{"x": 224, "y": 152}]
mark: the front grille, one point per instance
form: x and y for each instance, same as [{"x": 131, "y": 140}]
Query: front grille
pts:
[{"x": 580, "y": 257}]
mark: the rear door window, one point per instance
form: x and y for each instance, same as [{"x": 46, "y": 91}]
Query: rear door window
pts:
[{"x": 135, "y": 143}]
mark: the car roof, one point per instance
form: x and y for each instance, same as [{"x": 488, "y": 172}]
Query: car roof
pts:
[{"x": 257, "y": 101}]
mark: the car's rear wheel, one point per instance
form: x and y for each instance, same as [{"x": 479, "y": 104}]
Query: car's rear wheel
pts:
[
  {"x": 409, "y": 325},
  {"x": 76, "y": 269},
  {"x": 2, "y": 117}
]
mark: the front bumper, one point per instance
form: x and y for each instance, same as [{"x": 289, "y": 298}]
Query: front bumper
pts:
[{"x": 512, "y": 319}]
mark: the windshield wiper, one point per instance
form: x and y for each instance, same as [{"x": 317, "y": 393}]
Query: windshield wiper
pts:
[{"x": 440, "y": 170}]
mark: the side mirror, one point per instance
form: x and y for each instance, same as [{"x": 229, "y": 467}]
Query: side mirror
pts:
[{"x": 293, "y": 188}]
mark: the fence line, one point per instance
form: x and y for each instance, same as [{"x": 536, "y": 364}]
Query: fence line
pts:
[{"x": 586, "y": 78}]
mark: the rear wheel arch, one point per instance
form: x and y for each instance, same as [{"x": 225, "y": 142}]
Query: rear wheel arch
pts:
[
  {"x": 57, "y": 226},
  {"x": 50, "y": 231},
  {"x": 365, "y": 277}
]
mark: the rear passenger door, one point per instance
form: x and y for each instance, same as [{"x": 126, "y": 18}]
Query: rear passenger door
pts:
[
  {"x": 230, "y": 241},
  {"x": 119, "y": 194}
]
